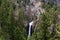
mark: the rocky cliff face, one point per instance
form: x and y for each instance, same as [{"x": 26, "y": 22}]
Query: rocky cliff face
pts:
[{"x": 33, "y": 10}]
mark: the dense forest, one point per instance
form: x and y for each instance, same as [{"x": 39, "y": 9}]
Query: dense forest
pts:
[{"x": 12, "y": 15}]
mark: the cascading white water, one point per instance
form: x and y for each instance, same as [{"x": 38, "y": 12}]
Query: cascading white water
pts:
[
  {"x": 34, "y": 9},
  {"x": 29, "y": 32}
]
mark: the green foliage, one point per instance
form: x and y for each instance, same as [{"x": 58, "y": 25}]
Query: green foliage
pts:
[
  {"x": 12, "y": 29},
  {"x": 46, "y": 20}
]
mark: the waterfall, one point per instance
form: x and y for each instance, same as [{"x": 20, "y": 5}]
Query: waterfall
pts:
[
  {"x": 33, "y": 11},
  {"x": 29, "y": 32}
]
